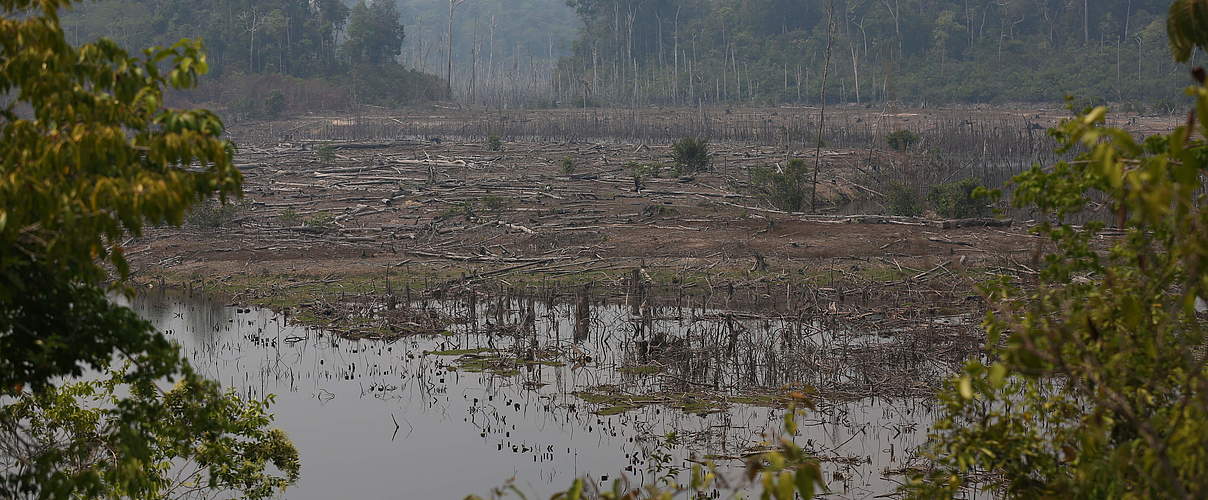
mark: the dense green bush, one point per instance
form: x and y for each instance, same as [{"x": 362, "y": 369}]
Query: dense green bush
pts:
[
  {"x": 691, "y": 154},
  {"x": 496, "y": 204},
  {"x": 327, "y": 154},
  {"x": 787, "y": 189},
  {"x": 391, "y": 85},
  {"x": 494, "y": 143},
  {"x": 902, "y": 139},
  {"x": 568, "y": 165},
  {"x": 904, "y": 200},
  {"x": 321, "y": 221},
  {"x": 213, "y": 214},
  {"x": 274, "y": 104},
  {"x": 960, "y": 200}
]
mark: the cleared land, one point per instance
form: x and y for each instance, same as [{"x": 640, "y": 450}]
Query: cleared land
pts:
[{"x": 415, "y": 209}]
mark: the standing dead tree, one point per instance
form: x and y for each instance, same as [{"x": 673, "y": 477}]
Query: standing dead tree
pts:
[
  {"x": 449, "y": 52},
  {"x": 830, "y": 40}
]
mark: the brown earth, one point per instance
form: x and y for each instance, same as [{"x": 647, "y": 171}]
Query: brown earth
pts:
[
  {"x": 417, "y": 199},
  {"x": 451, "y": 212}
]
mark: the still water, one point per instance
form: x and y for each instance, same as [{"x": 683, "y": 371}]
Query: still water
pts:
[{"x": 389, "y": 419}]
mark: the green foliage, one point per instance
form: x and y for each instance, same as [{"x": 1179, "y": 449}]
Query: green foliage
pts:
[
  {"x": 788, "y": 473},
  {"x": 291, "y": 37},
  {"x": 690, "y": 154},
  {"x": 902, "y": 139},
  {"x": 375, "y": 35},
  {"x": 311, "y": 50},
  {"x": 494, "y": 143},
  {"x": 787, "y": 189},
  {"x": 326, "y": 154},
  {"x": 640, "y": 173},
  {"x": 904, "y": 200},
  {"x": 1097, "y": 386},
  {"x": 274, "y": 104},
  {"x": 199, "y": 438},
  {"x": 94, "y": 159},
  {"x": 290, "y": 217},
  {"x": 927, "y": 51},
  {"x": 321, "y": 221},
  {"x": 213, "y": 214},
  {"x": 568, "y": 165},
  {"x": 392, "y": 85},
  {"x": 959, "y": 200},
  {"x": 1187, "y": 27},
  {"x": 88, "y": 156},
  {"x": 467, "y": 209},
  {"x": 496, "y": 204}
]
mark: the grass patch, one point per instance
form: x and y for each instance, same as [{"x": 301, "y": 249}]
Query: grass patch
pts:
[
  {"x": 649, "y": 369},
  {"x": 461, "y": 352}
]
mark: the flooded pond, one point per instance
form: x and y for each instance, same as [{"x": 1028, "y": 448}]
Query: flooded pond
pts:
[{"x": 543, "y": 393}]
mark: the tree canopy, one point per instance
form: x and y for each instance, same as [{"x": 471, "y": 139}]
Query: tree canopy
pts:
[
  {"x": 89, "y": 155},
  {"x": 931, "y": 51},
  {"x": 291, "y": 37},
  {"x": 375, "y": 35}
]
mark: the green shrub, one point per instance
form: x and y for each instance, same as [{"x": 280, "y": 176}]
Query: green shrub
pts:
[
  {"x": 496, "y": 204},
  {"x": 494, "y": 143},
  {"x": 392, "y": 85},
  {"x": 327, "y": 154},
  {"x": 464, "y": 208},
  {"x": 290, "y": 217},
  {"x": 691, "y": 154},
  {"x": 568, "y": 165},
  {"x": 902, "y": 139},
  {"x": 247, "y": 108},
  {"x": 322, "y": 221},
  {"x": 960, "y": 200},
  {"x": 904, "y": 200},
  {"x": 787, "y": 190},
  {"x": 639, "y": 174},
  {"x": 274, "y": 104},
  {"x": 213, "y": 214}
]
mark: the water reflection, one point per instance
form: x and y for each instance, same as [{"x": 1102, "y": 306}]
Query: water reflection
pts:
[{"x": 390, "y": 419}]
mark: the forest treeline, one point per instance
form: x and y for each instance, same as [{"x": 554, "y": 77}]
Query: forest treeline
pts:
[
  {"x": 272, "y": 56},
  {"x": 295, "y": 55},
  {"x": 912, "y": 51}
]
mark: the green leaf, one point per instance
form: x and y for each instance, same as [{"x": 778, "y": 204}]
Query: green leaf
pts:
[
  {"x": 965, "y": 385},
  {"x": 998, "y": 375}
]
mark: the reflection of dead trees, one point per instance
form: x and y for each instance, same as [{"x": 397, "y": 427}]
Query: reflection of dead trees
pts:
[
  {"x": 583, "y": 314},
  {"x": 732, "y": 335}
]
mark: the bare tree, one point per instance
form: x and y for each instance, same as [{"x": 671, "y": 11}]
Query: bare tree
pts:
[
  {"x": 254, "y": 24},
  {"x": 449, "y": 53},
  {"x": 830, "y": 39}
]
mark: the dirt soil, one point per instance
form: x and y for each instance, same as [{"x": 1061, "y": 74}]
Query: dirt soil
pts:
[
  {"x": 435, "y": 214},
  {"x": 418, "y": 200}
]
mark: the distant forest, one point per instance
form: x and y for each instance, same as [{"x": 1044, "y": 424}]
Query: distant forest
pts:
[
  {"x": 325, "y": 54},
  {"x": 913, "y": 51},
  {"x": 272, "y": 56},
  {"x": 314, "y": 50}
]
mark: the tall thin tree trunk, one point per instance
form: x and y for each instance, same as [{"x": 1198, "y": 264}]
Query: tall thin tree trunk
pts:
[
  {"x": 474, "y": 64},
  {"x": 855, "y": 57},
  {"x": 449, "y": 50},
  {"x": 675, "y": 79},
  {"x": 830, "y": 38},
  {"x": 1127, "y": 19}
]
